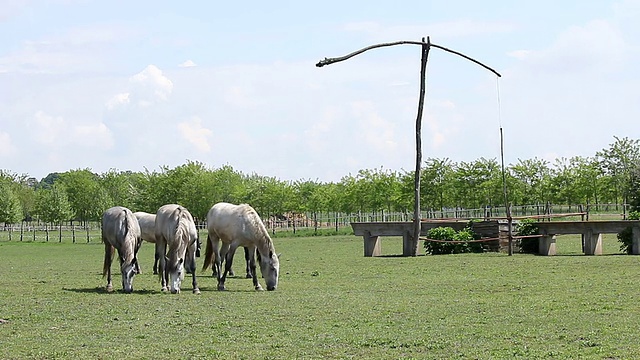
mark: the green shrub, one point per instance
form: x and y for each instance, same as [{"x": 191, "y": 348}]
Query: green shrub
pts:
[
  {"x": 448, "y": 233},
  {"x": 626, "y": 236},
  {"x": 528, "y": 227}
]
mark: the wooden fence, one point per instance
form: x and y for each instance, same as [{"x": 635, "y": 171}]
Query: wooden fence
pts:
[{"x": 90, "y": 232}]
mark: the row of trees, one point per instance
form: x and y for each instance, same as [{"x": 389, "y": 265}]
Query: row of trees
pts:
[{"x": 611, "y": 176}]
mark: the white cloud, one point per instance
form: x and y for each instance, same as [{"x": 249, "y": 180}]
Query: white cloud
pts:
[
  {"x": 75, "y": 50},
  {"x": 597, "y": 46},
  {"x": 447, "y": 29},
  {"x": 519, "y": 54},
  {"x": 6, "y": 145},
  {"x": 150, "y": 85},
  {"x": 117, "y": 100},
  {"x": 196, "y": 134},
  {"x": 93, "y": 136},
  {"x": 187, "y": 63},
  {"x": 47, "y": 129},
  {"x": 378, "y": 132}
]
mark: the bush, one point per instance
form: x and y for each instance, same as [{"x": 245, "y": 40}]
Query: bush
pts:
[
  {"x": 625, "y": 237},
  {"x": 448, "y": 233},
  {"x": 527, "y": 227}
]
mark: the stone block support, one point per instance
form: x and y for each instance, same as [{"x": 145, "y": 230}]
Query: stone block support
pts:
[
  {"x": 592, "y": 242},
  {"x": 635, "y": 244},
  {"x": 371, "y": 245},
  {"x": 547, "y": 245},
  {"x": 408, "y": 244}
]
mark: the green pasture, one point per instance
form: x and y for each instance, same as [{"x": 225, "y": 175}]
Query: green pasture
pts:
[{"x": 331, "y": 303}]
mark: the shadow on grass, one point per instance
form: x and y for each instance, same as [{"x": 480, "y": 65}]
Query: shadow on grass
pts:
[
  {"x": 581, "y": 254},
  {"x": 398, "y": 256},
  {"x": 102, "y": 290}
]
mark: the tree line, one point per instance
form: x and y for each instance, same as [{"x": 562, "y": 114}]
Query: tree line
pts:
[{"x": 612, "y": 175}]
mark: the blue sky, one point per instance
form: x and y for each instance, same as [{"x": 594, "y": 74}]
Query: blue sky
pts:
[{"x": 134, "y": 85}]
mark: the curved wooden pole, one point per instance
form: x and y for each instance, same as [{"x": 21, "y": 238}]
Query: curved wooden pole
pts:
[{"x": 329, "y": 61}]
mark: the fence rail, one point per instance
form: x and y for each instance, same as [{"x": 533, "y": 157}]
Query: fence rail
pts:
[{"x": 90, "y": 231}]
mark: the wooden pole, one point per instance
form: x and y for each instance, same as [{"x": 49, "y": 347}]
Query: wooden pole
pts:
[
  {"x": 416, "y": 208},
  {"x": 423, "y": 65}
]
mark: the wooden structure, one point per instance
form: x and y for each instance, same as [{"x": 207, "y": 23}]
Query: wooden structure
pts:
[
  {"x": 591, "y": 232},
  {"x": 371, "y": 232}
]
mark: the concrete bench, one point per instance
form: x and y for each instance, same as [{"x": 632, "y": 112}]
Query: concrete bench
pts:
[
  {"x": 591, "y": 232},
  {"x": 372, "y": 231}
]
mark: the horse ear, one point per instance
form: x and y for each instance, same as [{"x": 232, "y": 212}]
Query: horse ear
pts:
[{"x": 279, "y": 255}]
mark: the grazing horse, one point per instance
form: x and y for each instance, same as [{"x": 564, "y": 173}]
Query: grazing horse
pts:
[
  {"x": 120, "y": 231},
  {"x": 240, "y": 225},
  {"x": 176, "y": 243},
  {"x": 148, "y": 232}
]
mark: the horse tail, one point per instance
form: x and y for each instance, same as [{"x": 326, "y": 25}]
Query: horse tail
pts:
[{"x": 208, "y": 255}]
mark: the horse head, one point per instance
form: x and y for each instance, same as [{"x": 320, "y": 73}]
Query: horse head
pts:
[
  {"x": 270, "y": 268},
  {"x": 128, "y": 271},
  {"x": 176, "y": 275}
]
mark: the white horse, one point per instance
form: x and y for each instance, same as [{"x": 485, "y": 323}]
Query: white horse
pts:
[
  {"x": 240, "y": 225},
  {"x": 120, "y": 231},
  {"x": 176, "y": 243},
  {"x": 148, "y": 232}
]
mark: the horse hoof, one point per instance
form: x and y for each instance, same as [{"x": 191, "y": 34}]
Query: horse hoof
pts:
[
  {"x": 196, "y": 291},
  {"x": 248, "y": 276},
  {"x": 109, "y": 288},
  {"x": 221, "y": 288},
  {"x": 155, "y": 272},
  {"x": 259, "y": 288},
  {"x": 164, "y": 289},
  {"x": 231, "y": 273}
]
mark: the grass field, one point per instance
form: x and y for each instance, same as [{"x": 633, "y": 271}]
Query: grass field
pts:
[{"x": 331, "y": 303}]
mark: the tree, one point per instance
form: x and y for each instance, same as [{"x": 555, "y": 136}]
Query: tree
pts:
[
  {"x": 532, "y": 181},
  {"x": 10, "y": 208},
  {"x": 49, "y": 180},
  {"x": 119, "y": 188},
  {"x": 435, "y": 184},
  {"x": 634, "y": 189},
  {"x": 87, "y": 197},
  {"x": 618, "y": 161},
  {"x": 52, "y": 205},
  {"x": 23, "y": 188}
]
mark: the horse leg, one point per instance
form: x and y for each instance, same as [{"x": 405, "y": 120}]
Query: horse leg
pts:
[
  {"x": 215, "y": 244},
  {"x": 252, "y": 267},
  {"x": 191, "y": 266},
  {"x": 247, "y": 258},
  {"x": 223, "y": 256},
  {"x": 228, "y": 262},
  {"x": 161, "y": 249},
  {"x": 155, "y": 264},
  {"x": 108, "y": 259}
]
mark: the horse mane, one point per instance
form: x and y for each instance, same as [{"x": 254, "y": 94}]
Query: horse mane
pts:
[
  {"x": 130, "y": 242},
  {"x": 264, "y": 242},
  {"x": 181, "y": 231}
]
